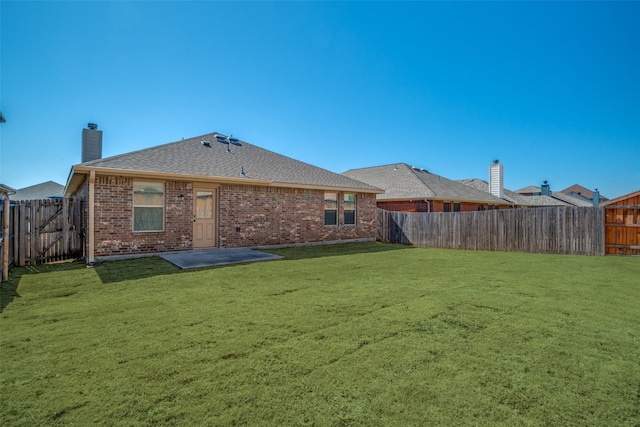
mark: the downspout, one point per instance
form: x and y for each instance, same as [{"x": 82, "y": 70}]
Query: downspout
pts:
[
  {"x": 428, "y": 205},
  {"x": 90, "y": 234}
]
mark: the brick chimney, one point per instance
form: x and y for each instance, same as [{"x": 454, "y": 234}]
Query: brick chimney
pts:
[{"x": 91, "y": 143}]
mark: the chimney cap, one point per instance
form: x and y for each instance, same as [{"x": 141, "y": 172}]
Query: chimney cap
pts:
[
  {"x": 496, "y": 161},
  {"x": 92, "y": 126}
]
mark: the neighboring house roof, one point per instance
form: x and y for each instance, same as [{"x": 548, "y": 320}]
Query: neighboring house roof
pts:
[
  {"x": 403, "y": 182},
  {"x": 565, "y": 198},
  {"x": 513, "y": 197},
  {"x": 203, "y": 157},
  {"x": 529, "y": 189},
  {"x": 43, "y": 190},
  {"x": 582, "y": 191},
  {"x": 5, "y": 189},
  {"x": 574, "y": 201}
]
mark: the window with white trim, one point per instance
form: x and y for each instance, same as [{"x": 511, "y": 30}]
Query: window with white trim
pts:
[
  {"x": 148, "y": 206},
  {"x": 330, "y": 208},
  {"x": 349, "y": 208}
]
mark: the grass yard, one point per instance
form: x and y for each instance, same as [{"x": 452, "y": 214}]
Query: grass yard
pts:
[{"x": 359, "y": 334}]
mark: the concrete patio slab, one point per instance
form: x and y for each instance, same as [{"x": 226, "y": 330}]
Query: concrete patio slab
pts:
[{"x": 213, "y": 257}]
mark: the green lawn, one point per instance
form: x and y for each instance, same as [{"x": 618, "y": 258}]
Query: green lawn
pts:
[{"x": 360, "y": 334}]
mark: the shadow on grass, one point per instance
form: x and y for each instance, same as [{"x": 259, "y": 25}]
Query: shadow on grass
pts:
[
  {"x": 134, "y": 269},
  {"x": 9, "y": 290},
  {"x": 147, "y": 267},
  {"x": 321, "y": 251}
]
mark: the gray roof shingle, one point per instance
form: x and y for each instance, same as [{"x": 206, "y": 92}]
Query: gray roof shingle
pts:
[
  {"x": 569, "y": 199},
  {"x": 515, "y": 198},
  {"x": 403, "y": 182},
  {"x": 215, "y": 159},
  {"x": 43, "y": 190}
]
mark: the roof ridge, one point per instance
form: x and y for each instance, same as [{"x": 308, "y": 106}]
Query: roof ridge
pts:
[
  {"x": 378, "y": 166},
  {"x": 413, "y": 170},
  {"x": 128, "y": 153}
]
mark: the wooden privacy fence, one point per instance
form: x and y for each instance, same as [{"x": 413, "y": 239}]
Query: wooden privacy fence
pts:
[
  {"x": 555, "y": 230},
  {"x": 622, "y": 225},
  {"x": 42, "y": 231}
]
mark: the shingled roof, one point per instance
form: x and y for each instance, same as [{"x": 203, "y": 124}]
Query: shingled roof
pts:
[
  {"x": 571, "y": 200},
  {"x": 512, "y": 196},
  {"x": 403, "y": 182},
  {"x": 205, "y": 157},
  {"x": 583, "y": 191},
  {"x": 43, "y": 190}
]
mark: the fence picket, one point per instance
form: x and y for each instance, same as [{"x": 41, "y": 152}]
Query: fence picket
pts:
[
  {"x": 44, "y": 231},
  {"x": 557, "y": 230}
]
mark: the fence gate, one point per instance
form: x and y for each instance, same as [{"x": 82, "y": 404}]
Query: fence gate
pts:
[
  {"x": 623, "y": 226},
  {"x": 45, "y": 231}
]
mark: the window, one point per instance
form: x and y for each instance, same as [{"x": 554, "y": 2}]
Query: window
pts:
[
  {"x": 349, "y": 208},
  {"x": 447, "y": 207},
  {"x": 480, "y": 207},
  {"x": 148, "y": 206},
  {"x": 456, "y": 207},
  {"x": 330, "y": 208}
]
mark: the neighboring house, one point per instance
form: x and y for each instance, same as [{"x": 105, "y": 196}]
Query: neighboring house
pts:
[
  {"x": 215, "y": 191},
  {"x": 530, "y": 190},
  {"x": 545, "y": 190},
  {"x": 622, "y": 224},
  {"x": 527, "y": 197},
  {"x": 518, "y": 200},
  {"x": 571, "y": 200},
  {"x": 410, "y": 189},
  {"x": 45, "y": 190},
  {"x": 579, "y": 191}
]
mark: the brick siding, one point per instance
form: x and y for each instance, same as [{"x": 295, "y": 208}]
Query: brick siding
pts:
[
  {"x": 430, "y": 206},
  {"x": 247, "y": 216},
  {"x": 254, "y": 216}
]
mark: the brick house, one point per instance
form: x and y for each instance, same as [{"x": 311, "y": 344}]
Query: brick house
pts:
[
  {"x": 214, "y": 191},
  {"x": 411, "y": 189},
  {"x": 528, "y": 197}
]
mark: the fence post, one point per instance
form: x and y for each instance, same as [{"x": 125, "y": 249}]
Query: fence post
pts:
[{"x": 5, "y": 239}]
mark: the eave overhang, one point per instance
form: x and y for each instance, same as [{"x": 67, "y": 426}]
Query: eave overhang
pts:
[
  {"x": 443, "y": 199},
  {"x": 79, "y": 172}
]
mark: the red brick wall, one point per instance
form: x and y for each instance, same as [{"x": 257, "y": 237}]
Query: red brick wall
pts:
[
  {"x": 406, "y": 206},
  {"x": 433, "y": 206},
  {"x": 254, "y": 216},
  {"x": 264, "y": 215},
  {"x": 113, "y": 219}
]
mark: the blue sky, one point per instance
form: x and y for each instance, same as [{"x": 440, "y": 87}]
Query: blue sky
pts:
[{"x": 551, "y": 89}]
